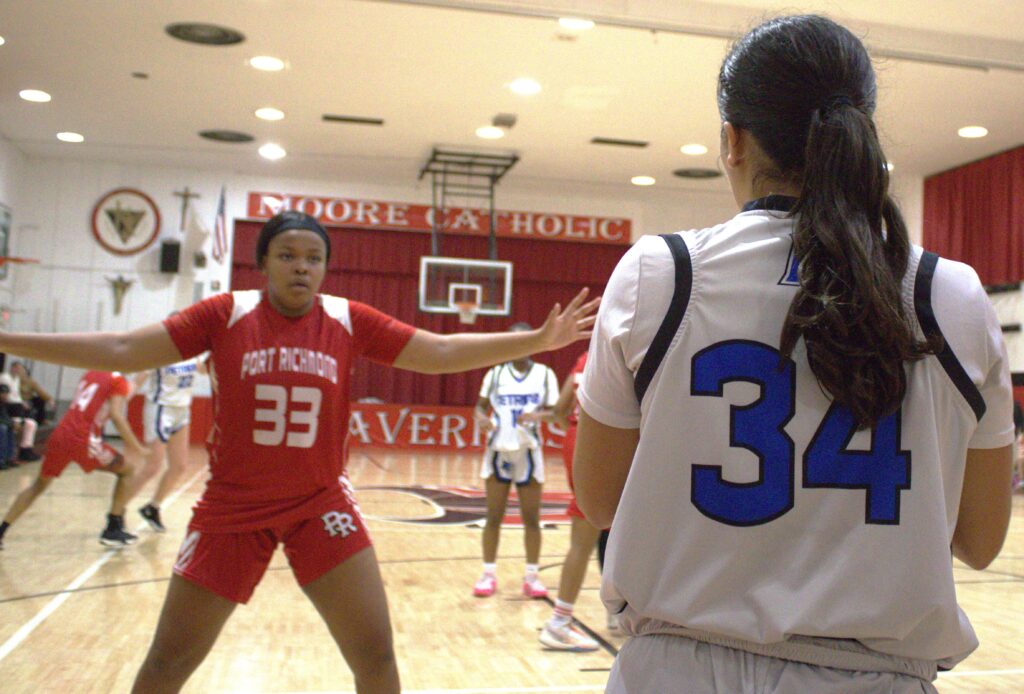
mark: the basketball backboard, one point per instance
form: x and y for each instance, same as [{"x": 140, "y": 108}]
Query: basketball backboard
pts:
[{"x": 447, "y": 282}]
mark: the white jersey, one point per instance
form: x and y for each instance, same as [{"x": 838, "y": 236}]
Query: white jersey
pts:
[
  {"x": 513, "y": 394},
  {"x": 753, "y": 509},
  {"x": 171, "y": 386}
]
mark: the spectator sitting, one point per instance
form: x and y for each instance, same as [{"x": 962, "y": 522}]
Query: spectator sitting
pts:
[
  {"x": 39, "y": 402},
  {"x": 17, "y": 410},
  {"x": 8, "y": 430}
]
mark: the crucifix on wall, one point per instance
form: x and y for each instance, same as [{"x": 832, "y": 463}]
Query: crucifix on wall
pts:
[
  {"x": 120, "y": 285},
  {"x": 186, "y": 198}
]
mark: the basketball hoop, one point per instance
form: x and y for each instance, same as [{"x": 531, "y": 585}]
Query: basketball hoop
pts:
[{"x": 467, "y": 311}]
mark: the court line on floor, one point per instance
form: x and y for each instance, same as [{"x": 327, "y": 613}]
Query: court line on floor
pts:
[{"x": 28, "y": 627}]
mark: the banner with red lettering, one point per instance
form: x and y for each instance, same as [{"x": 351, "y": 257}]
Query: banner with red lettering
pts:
[
  {"x": 467, "y": 221},
  {"x": 425, "y": 428}
]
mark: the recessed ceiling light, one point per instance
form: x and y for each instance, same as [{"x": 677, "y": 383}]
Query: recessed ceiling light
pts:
[
  {"x": 575, "y": 23},
  {"x": 267, "y": 63},
  {"x": 972, "y": 131},
  {"x": 694, "y": 150},
  {"x": 269, "y": 113},
  {"x": 489, "y": 132},
  {"x": 889, "y": 166},
  {"x": 272, "y": 151},
  {"x": 70, "y": 137},
  {"x": 524, "y": 86},
  {"x": 643, "y": 180},
  {"x": 36, "y": 95},
  {"x": 2, "y": 42},
  {"x": 204, "y": 34}
]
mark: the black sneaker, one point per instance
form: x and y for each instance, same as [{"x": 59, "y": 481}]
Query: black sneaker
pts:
[
  {"x": 115, "y": 536},
  {"x": 152, "y": 515},
  {"x": 27, "y": 455}
]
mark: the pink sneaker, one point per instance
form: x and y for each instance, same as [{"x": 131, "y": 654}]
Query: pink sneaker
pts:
[
  {"x": 486, "y": 586},
  {"x": 533, "y": 588}
]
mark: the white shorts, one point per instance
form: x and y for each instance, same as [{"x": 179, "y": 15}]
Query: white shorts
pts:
[
  {"x": 163, "y": 421},
  {"x": 514, "y": 466},
  {"x": 664, "y": 663}
]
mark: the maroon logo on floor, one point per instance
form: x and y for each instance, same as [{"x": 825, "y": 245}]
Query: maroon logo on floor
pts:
[{"x": 465, "y": 506}]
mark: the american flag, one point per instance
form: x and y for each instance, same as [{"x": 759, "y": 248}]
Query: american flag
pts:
[{"x": 220, "y": 231}]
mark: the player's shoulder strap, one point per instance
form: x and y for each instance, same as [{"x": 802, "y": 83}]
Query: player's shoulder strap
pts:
[
  {"x": 926, "y": 317},
  {"x": 673, "y": 317}
]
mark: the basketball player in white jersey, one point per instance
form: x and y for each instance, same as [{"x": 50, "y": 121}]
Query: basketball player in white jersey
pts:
[
  {"x": 166, "y": 415},
  {"x": 514, "y": 453},
  {"x": 795, "y": 417}
]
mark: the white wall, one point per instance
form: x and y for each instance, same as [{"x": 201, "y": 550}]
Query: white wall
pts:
[
  {"x": 69, "y": 291},
  {"x": 12, "y": 162}
]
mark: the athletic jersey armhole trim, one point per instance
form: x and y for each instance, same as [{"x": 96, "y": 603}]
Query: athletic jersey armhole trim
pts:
[
  {"x": 673, "y": 317},
  {"x": 926, "y": 316}
]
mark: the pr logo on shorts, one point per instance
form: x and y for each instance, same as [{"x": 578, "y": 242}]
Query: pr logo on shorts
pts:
[
  {"x": 337, "y": 523},
  {"x": 187, "y": 551}
]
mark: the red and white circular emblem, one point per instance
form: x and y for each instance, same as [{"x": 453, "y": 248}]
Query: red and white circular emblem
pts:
[{"x": 125, "y": 221}]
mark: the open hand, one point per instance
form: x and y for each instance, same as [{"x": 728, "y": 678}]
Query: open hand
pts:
[{"x": 574, "y": 323}]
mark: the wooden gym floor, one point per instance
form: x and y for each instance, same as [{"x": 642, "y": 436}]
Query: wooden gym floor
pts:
[{"x": 75, "y": 617}]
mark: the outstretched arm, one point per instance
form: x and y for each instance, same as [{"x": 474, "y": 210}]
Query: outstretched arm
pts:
[
  {"x": 135, "y": 350},
  {"x": 432, "y": 353}
]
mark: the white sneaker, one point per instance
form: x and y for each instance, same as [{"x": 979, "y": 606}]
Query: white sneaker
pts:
[
  {"x": 613, "y": 622},
  {"x": 533, "y": 588},
  {"x": 486, "y": 586},
  {"x": 567, "y": 638}
]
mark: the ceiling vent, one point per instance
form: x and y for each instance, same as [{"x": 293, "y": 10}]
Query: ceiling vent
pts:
[
  {"x": 697, "y": 173},
  {"x": 232, "y": 136},
  {"x": 613, "y": 142},
  {"x": 204, "y": 34},
  {"x": 504, "y": 120},
  {"x": 353, "y": 120}
]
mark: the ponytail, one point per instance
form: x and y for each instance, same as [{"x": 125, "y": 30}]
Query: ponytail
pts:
[
  {"x": 852, "y": 245},
  {"x": 804, "y": 87}
]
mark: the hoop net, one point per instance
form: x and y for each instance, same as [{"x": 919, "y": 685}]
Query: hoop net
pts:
[{"x": 467, "y": 311}]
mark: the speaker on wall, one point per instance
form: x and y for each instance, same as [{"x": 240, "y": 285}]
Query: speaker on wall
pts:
[{"x": 170, "y": 256}]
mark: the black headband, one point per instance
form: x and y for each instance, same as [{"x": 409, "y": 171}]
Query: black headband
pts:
[{"x": 286, "y": 221}]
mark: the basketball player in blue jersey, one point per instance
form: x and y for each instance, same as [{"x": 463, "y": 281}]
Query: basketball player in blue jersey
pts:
[
  {"x": 796, "y": 416},
  {"x": 514, "y": 453},
  {"x": 166, "y": 416}
]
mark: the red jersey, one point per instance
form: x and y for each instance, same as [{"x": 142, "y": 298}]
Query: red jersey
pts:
[
  {"x": 576, "y": 375},
  {"x": 281, "y": 401},
  {"x": 90, "y": 407}
]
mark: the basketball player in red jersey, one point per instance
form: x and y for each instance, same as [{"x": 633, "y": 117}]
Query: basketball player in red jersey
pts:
[
  {"x": 78, "y": 439},
  {"x": 558, "y": 632},
  {"x": 281, "y": 358}
]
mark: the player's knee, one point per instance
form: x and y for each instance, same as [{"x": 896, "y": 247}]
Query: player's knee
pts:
[
  {"x": 494, "y": 517},
  {"x": 171, "y": 664},
  {"x": 373, "y": 657}
]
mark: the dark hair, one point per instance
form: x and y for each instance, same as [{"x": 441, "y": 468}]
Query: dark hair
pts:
[
  {"x": 285, "y": 221},
  {"x": 804, "y": 87}
]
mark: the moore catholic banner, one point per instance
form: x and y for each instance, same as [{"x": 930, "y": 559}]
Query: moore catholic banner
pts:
[
  {"x": 424, "y": 428},
  {"x": 465, "y": 221}
]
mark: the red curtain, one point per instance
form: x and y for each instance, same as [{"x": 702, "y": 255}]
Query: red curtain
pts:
[
  {"x": 381, "y": 268},
  {"x": 975, "y": 214}
]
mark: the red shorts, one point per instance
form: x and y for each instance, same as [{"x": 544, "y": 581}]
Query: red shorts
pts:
[
  {"x": 232, "y": 564},
  {"x": 62, "y": 450},
  {"x": 568, "y": 449}
]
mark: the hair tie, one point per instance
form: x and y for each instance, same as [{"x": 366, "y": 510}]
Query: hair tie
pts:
[{"x": 834, "y": 102}]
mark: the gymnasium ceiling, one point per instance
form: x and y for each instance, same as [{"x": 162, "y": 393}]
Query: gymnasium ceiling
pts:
[{"x": 436, "y": 71}]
